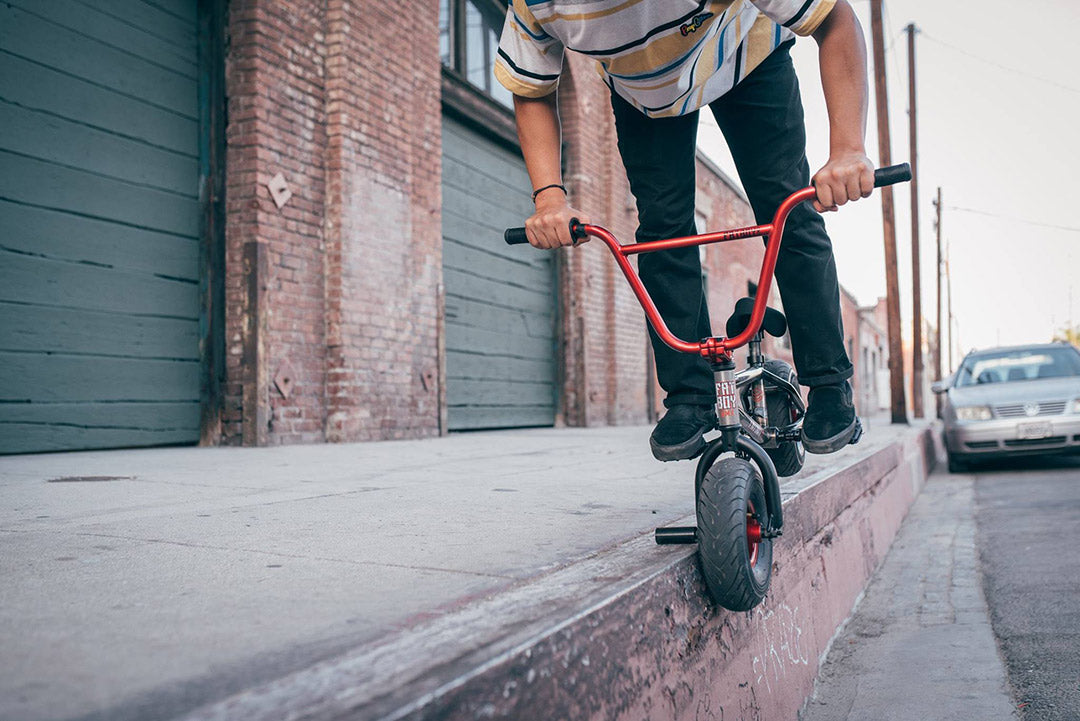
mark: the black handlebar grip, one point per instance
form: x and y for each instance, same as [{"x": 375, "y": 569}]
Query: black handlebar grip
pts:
[
  {"x": 515, "y": 236},
  {"x": 893, "y": 174},
  {"x": 577, "y": 231}
]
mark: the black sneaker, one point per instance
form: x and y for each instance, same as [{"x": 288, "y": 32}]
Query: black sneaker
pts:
[
  {"x": 830, "y": 422},
  {"x": 680, "y": 434}
]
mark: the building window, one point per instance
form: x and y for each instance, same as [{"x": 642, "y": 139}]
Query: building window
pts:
[{"x": 469, "y": 41}]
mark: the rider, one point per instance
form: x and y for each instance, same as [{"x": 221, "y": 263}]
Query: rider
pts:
[{"x": 662, "y": 62}]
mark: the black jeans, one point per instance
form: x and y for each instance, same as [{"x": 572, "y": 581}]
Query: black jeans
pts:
[{"x": 762, "y": 121}]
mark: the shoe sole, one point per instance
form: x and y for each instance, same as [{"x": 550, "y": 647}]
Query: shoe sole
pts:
[
  {"x": 686, "y": 450},
  {"x": 849, "y": 435}
]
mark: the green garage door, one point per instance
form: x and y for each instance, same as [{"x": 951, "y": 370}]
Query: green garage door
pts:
[
  {"x": 99, "y": 224},
  {"x": 500, "y": 300}
]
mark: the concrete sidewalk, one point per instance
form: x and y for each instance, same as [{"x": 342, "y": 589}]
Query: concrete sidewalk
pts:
[
  {"x": 144, "y": 584},
  {"x": 920, "y": 644}
]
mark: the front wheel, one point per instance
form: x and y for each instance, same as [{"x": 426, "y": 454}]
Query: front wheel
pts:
[{"x": 736, "y": 559}]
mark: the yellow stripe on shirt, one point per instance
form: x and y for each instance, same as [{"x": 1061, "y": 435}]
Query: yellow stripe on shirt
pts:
[
  {"x": 811, "y": 23},
  {"x": 590, "y": 16},
  {"x": 759, "y": 42}
]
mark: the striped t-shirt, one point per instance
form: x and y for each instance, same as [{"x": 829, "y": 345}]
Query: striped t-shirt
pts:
[{"x": 666, "y": 57}]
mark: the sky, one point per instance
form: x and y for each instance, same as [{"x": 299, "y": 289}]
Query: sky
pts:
[{"x": 998, "y": 99}]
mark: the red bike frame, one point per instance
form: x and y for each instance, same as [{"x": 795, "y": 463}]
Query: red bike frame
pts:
[{"x": 712, "y": 349}]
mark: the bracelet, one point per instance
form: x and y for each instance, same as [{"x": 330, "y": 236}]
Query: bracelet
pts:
[{"x": 547, "y": 187}]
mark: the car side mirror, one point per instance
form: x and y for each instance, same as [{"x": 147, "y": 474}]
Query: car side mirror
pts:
[{"x": 939, "y": 386}]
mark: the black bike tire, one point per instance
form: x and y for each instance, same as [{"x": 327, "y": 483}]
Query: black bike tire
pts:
[
  {"x": 722, "y": 505},
  {"x": 788, "y": 456}
]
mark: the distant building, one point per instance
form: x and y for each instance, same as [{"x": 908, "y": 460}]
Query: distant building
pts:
[
  {"x": 873, "y": 364},
  {"x": 929, "y": 339}
]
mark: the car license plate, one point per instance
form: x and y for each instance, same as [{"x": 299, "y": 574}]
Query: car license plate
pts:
[{"x": 1031, "y": 431}]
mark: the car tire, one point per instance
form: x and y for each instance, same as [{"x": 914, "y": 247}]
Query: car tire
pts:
[{"x": 957, "y": 464}]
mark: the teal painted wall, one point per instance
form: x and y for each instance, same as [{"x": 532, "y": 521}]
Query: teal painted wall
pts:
[
  {"x": 500, "y": 300},
  {"x": 99, "y": 225}
]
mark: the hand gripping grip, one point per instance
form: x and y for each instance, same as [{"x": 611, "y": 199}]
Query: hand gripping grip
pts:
[{"x": 516, "y": 236}]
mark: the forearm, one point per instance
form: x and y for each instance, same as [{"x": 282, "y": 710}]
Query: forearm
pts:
[
  {"x": 541, "y": 138},
  {"x": 541, "y": 144},
  {"x": 842, "y": 58}
]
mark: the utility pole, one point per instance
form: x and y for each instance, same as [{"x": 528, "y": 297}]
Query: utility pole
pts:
[
  {"x": 892, "y": 283},
  {"x": 916, "y": 275},
  {"x": 948, "y": 290},
  {"x": 937, "y": 355}
]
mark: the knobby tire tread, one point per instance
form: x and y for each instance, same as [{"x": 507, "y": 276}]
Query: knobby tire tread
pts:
[{"x": 722, "y": 534}]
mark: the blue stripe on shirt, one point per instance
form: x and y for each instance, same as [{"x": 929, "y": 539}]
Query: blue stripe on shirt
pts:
[
  {"x": 720, "y": 49},
  {"x": 521, "y": 24}
]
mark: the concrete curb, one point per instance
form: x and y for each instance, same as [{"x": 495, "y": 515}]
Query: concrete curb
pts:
[{"x": 629, "y": 632}]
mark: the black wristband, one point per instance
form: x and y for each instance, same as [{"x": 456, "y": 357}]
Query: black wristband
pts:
[{"x": 546, "y": 187}]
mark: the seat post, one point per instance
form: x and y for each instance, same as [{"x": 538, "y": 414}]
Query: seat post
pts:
[
  {"x": 754, "y": 356},
  {"x": 756, "y": 359}
]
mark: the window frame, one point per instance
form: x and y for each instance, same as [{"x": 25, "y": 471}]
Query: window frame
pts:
[{"x": 464, "y": 100}]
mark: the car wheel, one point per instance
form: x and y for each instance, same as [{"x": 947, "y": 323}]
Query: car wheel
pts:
[{"x": 957, "y": 464}]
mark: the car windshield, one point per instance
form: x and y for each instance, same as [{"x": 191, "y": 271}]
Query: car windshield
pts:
[{"x": 1019, "y": 365}]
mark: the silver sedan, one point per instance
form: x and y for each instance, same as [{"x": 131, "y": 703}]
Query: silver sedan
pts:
[{"x": 1012, "y": 401}]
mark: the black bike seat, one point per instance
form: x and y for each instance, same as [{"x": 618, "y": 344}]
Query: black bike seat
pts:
[{"x": 775, "y": 324}]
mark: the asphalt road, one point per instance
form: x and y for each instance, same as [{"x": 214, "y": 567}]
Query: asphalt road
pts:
[{"x": 1027, "y": 516}]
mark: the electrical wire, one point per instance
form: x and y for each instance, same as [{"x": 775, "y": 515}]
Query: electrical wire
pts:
[
  {"x": 998, "y": 65},
  {"x": 1024, "y": 221},
  {"x": 890, "y": 49}
]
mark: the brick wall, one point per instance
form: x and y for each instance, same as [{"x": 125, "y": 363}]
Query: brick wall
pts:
[
  {"x": 340, "y": 293},
  {"x": 383, "y": 263},
  {"x": 606, "y": 376},
  {"x": 274, "y": 84}
]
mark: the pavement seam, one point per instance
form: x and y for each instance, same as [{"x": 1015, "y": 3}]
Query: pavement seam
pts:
[{"x": 279, "y": 554}]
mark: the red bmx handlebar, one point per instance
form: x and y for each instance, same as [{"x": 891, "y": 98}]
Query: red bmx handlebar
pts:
[{"x": 712, "y": 348}]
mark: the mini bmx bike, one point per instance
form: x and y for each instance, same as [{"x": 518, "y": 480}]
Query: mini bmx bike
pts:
[{"x": 759, "y": 413}]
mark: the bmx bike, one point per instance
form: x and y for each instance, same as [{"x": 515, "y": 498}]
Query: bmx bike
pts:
[{"x": 759, "y": 413}]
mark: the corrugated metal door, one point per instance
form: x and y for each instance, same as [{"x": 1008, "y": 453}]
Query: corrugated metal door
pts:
[
  {"x": 99, "y": 224},
  {"x": 500, "y": 300}
]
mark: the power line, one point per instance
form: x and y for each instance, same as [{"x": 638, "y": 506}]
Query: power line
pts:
[
  {"x": 892, "y": 55},
  {"x": 1071, "y": 229},
  {"x": 998, "y": 65}
]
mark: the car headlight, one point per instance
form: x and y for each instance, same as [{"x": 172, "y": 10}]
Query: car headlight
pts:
[
  {"x": 1076, "y": 406},
  {"x": 974, "y": 413}
]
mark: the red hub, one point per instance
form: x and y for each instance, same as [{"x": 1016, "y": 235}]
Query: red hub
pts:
[{"x": 753, "y": 534}]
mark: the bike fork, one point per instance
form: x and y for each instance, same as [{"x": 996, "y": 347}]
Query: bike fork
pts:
[{"x": 732, "y": 438}]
